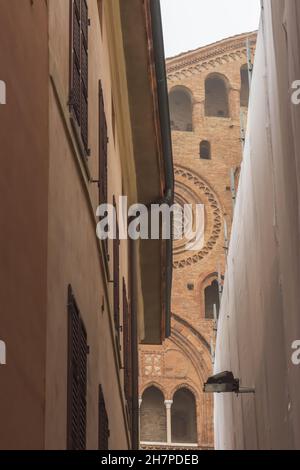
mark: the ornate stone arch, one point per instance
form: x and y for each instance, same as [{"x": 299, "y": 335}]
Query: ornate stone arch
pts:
[{"x": 192, "y": 189}]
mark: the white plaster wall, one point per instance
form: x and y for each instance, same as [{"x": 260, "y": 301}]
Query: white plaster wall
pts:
[{"x": 260, "y": 312}]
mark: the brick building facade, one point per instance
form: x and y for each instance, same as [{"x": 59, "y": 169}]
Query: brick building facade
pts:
[{"x": 208, "y": 94}]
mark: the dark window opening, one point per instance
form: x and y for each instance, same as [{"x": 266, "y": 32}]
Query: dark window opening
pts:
[
  {"x": 103, "y": 147},
  {"x": 127, "y": 358},
  {"x": 244, "y": 86},
  {"x": 103, "y": 159},
  {"x": 181, "y": 110},
  {"x": 205, "y": 150},
  {"x": 211, "y": 295},
  {"x": 77, "y": 377},
  {"x": 183, "y": 417},
  {"x": 103, "y": 425},
  {"x": 116, "y": 272},
  {"x": 79, "y": 69},
  {"x": 100, "y": 8},
  {"x": 153, "y": 416},
  {"x": 216, "y": 97}
]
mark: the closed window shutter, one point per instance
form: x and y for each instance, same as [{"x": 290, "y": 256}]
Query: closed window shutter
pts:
[
  {"x": 116, "y": 261},
  {"x": 82, "y": 369},
  {"x": 103, "y": 140},
  {"x": 84, "y": 73},
  {"x": 103, "y": 431},
  {"x": 127, "y": 351},
  {"x": 79, "y": 79},
  {"x": 76, "y": 55},
  {"x": 77, "y": 378}
]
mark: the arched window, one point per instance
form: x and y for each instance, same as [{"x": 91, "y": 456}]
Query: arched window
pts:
[
  {"x": 183, "y": 417},
  {"x": 244, "y": 86},
  {"x": 153, "y": 421},
  {"x": 211, "y": 294},
  {"x": 181, "y": 110},
  {"x": 216, "y": 96},
  {"x": 205, "y": 152}
]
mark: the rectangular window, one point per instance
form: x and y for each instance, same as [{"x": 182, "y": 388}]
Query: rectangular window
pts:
[
  {"x": 103, "y": 141},
  {"x": 103, "y": 431},
  {"x": 79, "y": 68},
  {"x": 100, "y": 7},
  {"x": 116, "y": 267},
  {"x": 127, "y": 358},
  {"x": 77, "y": 377}
]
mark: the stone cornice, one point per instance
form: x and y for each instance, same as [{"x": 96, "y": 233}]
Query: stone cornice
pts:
[{"x": 210, "y": 56}]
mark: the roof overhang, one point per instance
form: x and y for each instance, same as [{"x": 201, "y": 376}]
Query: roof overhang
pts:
[{"x": 149, "y": 113}]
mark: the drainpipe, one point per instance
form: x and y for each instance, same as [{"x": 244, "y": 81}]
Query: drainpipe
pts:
[
  {"x": 164, "y": 114},
  {"x": 134, "y": 349}
]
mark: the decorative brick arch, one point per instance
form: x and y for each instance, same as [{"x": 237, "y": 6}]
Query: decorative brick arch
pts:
[
  {"x": 193, "y": 355},
  {"x": 156, "y": 385},
  {"x": 188, "y": 387}
]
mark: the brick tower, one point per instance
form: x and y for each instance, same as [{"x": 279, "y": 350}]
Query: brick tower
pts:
[{"x": 208, "y": 92}]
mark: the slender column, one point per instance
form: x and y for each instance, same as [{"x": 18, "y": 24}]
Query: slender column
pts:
[
  {"x": 168, "y": 404},
  {"x": 140, "y": 403}
]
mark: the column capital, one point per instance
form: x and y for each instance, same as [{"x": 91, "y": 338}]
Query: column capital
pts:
[{"x": 168, "y": 403}]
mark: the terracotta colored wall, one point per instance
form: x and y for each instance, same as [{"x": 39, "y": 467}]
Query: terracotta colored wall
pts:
[
  {"x": 260, "y": 305},
  {"x": 73, "y": 251},
  {"x": 23, "y": 235}
]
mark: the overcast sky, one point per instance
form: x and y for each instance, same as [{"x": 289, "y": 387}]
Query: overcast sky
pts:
[{"x": 189, "y": 24}]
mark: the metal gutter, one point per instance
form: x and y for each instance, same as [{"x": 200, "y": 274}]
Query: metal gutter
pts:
[{"x": 163, "y": 103}]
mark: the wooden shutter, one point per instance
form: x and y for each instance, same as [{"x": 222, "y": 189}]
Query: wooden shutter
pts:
[
  {"x": 76, "y": 60},
  {"x": 103, "y": 141},
  {"x": 79, "y": 74},
  {"x": 103, "y": 431},
  {"x": 127, "y": 358},
  {"x": 84, "y": 74},
  {"x": 77, "y": 377},
  {"x": 116, "y": 263}
]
